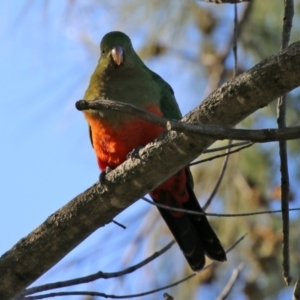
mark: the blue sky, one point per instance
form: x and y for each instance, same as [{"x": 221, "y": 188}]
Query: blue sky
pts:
[{"x": 43, "y": 149}]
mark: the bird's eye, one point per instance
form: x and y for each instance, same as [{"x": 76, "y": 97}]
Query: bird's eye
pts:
[{"x": 103, "y": 51}]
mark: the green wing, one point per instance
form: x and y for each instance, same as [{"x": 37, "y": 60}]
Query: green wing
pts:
[
  {"x": 170, "y": 109},
  {"x": 168, "y": 104}
]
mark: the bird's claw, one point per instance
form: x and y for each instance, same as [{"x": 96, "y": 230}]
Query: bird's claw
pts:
[{"x": 103, "y": 174}]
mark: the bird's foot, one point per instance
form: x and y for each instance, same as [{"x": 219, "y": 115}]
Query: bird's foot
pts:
[
  {"x": 134, "y": 154},
  {"x": 103, "y": 174}
]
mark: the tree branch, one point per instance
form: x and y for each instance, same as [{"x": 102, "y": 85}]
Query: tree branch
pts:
[
  {"x": 43, "y": 296},
  {"x": 226, "y": 1},
  {"x": 95, "y": 276},
  {"x": 65, "y": 229},
  {"x": 285, "y": 182},
  {"x": 197, "y": 162},
  {"x": 213, "y": 131},
  {"x": 233, "y": 279},
  {"x": 296, "y": 295},
  {"x": 196, "y": 213},
  {"x": 219, "y": 181}
]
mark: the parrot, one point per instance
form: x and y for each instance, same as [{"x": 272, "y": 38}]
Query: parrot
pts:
[{"x": 122, "y": 76}]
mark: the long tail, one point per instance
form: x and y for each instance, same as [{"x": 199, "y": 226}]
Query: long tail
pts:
[{"x": 193, "y": 233}]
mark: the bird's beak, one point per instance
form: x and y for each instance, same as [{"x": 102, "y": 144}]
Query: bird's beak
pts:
[{"x": 117, "y": 55}]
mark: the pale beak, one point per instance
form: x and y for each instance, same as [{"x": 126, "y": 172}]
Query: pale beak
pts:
[{"x": 117, "y": 55}]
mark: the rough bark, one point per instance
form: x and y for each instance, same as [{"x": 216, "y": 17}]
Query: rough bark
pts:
[{"x": 97, "y": 206}]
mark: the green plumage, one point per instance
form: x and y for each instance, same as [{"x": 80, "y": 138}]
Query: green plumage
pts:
[{"x": 134, "y": 83}]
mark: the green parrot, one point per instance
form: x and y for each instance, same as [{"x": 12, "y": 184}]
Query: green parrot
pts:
[{"x": 122, "y": 76}]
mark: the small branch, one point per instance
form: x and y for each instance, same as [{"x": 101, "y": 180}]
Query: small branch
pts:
[
  {"x": 257, "y": 136},
  {"x": 287, "y": 23},
  {"x": 234, "y": 277},
  {"x": 95, "y": 276},
  {"x": 217, "y": 69},
  {"x": 127, "y": 296},
  {"x": 192, "y": 212},
  {"x": 235, "y": 38},
  {"x": 119, "y": 224},
  {"x": 281, "y": 114},
  {"x": 142, "y": 232},
  {"x": 297, "y": 289},
  {"x": 221, "y": 176},
  {"x": 225, "y": 163},
  {"x": 213, "y": 131},
  {"x": 220, "y": 155},
  {"x": 226, "y": 1},
  {"x": 229, "y": 146}
]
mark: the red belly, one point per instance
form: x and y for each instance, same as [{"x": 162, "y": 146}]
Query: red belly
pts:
[{"x": 112, "y": 145}]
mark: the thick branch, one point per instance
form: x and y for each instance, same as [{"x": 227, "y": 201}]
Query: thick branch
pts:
[{"x": 65, "y": 229}]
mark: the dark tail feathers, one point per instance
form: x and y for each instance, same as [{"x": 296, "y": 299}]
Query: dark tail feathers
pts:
[{"x": 194, "y": 235}]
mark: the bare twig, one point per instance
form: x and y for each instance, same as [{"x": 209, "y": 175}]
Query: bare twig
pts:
[
  {"x": 150, "y": 217},
  {"x": 287, "y": 23},
  {"x": 220, "y": 155},
  {"x": 281, "y": 113},
  {"x": 257, "y": 136},
  {"x": 225, "y": 163},
  {"x": 220, "y": 178},
  {"x": 218, "y": 70},
  {"x": 213, "y": 131},
  {"x": 127, "y": 296},
  {"x": 95, "y": 276},
  {"x": 119, "y": 224},
  {"x": 296, "y": 295},
  {"x": 228, "y": 146},
  {"x": 235, "y": 39},
  {"x": 234, "y": 277},
  {"x": 192, "y": 212},
  {"x": 226, "y": 1},
  {"x": 142, "y": 232}
]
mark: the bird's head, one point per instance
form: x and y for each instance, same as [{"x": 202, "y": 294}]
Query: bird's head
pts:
[{"x": 116, "y": 49}]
